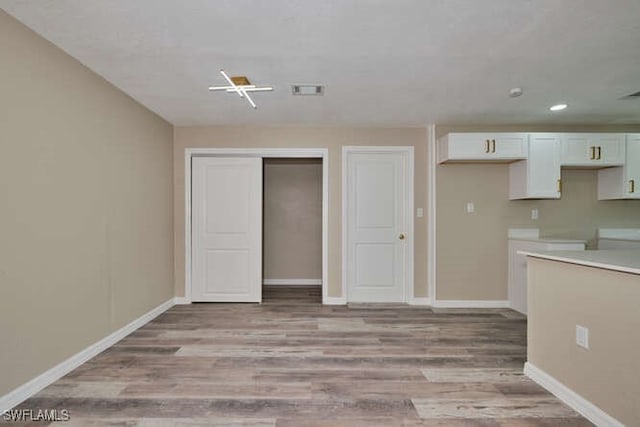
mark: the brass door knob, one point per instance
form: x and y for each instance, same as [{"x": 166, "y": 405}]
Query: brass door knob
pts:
[{"x": 401, "y": 236}]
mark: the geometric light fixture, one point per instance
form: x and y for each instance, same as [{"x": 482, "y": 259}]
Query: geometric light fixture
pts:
[{"x": 241, "y": 86}]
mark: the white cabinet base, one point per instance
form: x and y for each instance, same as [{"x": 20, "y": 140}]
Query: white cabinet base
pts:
[{"x": 518, "y": 264}]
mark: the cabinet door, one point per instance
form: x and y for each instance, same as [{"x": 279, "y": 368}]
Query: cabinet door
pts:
[
  {"x": 544, "y": 166},
  {"x": 576, "y": 149},
  {"x": 483, "y": 147},
  {"x": 621, "y": 182},
  {"x": 593, "y": 149},
  {"x": 610, "y": 149},
  {"x": 509, "y": 146},
  {"x": 470, "y": 146},
  {"x": 632, "y": 184},
  {"x": 538, "y": 177}
]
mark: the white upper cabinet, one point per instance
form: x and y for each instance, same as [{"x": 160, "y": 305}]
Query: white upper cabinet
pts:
[
  {"x": 594, "y": 150},
  {"x": 538, "y": 177},
  {"x": 622, "y": 182},
  {"x": 489, "y": 147}
]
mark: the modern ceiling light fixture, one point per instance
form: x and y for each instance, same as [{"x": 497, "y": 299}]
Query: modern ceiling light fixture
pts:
[
  {"x": 558, "y": 107},
  {"x": 241, "y": 86}
]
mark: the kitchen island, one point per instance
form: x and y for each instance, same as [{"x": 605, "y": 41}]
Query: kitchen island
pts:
[{"x": 600, "y": 292}]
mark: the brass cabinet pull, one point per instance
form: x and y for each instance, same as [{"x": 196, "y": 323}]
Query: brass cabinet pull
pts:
[
  {"x": 487, "y": 149},
  {"x": 593, "y": 152},
  {"x": 559, "y": 186},
  {"x": 493, "y": 142},
  {"x": 401, "y": 236},
  {"x": 632, "y": 186},
  {"x": 599, "y": 153}
]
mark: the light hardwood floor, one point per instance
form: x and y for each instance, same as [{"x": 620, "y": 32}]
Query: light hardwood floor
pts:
[{"x": 293, "y": 362}]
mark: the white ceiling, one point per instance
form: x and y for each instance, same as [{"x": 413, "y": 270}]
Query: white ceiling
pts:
[{"x": 383, "y": 62}]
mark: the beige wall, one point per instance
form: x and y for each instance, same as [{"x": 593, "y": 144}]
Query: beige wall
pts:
[
  {"x": 331, "y": 138},
  {"x": 292, "y": 244},
  {"x": 472, "y": 248},
  {"x": 562, "y": 296},
  {"x": 85, "y": 207}
]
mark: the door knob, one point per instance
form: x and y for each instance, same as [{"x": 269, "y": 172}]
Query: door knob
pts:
[{"x": 401, "y": 236}]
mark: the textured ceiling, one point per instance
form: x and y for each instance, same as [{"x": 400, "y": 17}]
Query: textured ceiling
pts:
[{"x": 384, "y": 63}]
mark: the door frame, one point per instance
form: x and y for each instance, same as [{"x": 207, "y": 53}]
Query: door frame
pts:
[
  {"x": 432, "y": 164},
  {"x": 408, "y": 153},
  {"x": 322, "y": 153}
]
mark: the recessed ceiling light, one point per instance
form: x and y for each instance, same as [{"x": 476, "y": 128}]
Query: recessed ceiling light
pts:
[{"x": 558, "y": 107}]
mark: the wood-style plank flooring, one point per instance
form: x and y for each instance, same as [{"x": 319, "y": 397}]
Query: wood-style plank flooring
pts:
[{"x": 293, "y": 362}]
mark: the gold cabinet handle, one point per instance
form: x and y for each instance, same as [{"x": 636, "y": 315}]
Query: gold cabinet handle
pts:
[
  {"x": 632, "y": 186},
  {"x": 493, "y": 145},
  {"x": 401, "y": 236},
  {"x": 599, "y": 153},
  {"x": 487, "y": 149},
  {"x": 593, "y": 152},
  {"x": 559, "y": 186}
]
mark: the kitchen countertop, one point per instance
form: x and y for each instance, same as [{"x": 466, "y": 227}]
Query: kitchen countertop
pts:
[
  {"x": 547, "y": 240},
  {"x": 623, "y": 260},
  {"x": 533, "y": 235},
  {"x": 631, "y": 234}
]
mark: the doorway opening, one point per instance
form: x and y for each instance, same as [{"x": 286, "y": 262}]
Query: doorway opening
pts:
[{"x": 292, "y": 230}]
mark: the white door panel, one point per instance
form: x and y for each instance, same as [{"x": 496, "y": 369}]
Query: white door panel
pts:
[
  {"x": 375, "y": 265},
  {"x": 376, "y": 217},
  {"x": 227, "y": 229},
  {"x": 376, "y": 187}
]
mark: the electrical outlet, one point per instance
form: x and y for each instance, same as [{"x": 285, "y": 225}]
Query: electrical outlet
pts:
[
  {"x": 471, "y": 208},
  {"x": 582, "y": 336},
  {"x": 419, "y": 212},
  {"x": 534, "y": 213}
]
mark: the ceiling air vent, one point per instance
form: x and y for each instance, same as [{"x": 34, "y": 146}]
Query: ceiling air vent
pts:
[
  {"x": 316, "y": 90},
  {"x": 632, "y": 96}
]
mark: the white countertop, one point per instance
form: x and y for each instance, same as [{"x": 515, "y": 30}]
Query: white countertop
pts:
[
  {"x": 623, "y": 260},
  {"x": 548, "y": 240},
  {"x": 533, "y": 235},
  {"x": 619, "y": 233}
]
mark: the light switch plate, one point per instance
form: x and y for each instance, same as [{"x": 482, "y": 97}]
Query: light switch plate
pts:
[
  {"x": 582, "y": 336},
  {"x": 471, "y": 208},
  {"x": 419, "y": 212},
  {"x": 534, "y": 213}
]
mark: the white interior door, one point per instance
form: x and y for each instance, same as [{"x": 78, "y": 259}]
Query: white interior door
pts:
[
  {"x": 227, "y": 229},
  {"x": 378, "y": 233}
]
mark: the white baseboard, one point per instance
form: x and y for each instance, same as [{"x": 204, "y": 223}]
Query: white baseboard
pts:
[
  {"x": 181, "y": 301},
  {"x": 420, "y": 301},
  {"x": 570, "y": 397},
  {"x": 334, "y": 301},
  {"x": 30, "y": 388},
  {"x": 471, "y": 303},
  {"x": 292, "y": 282}
]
